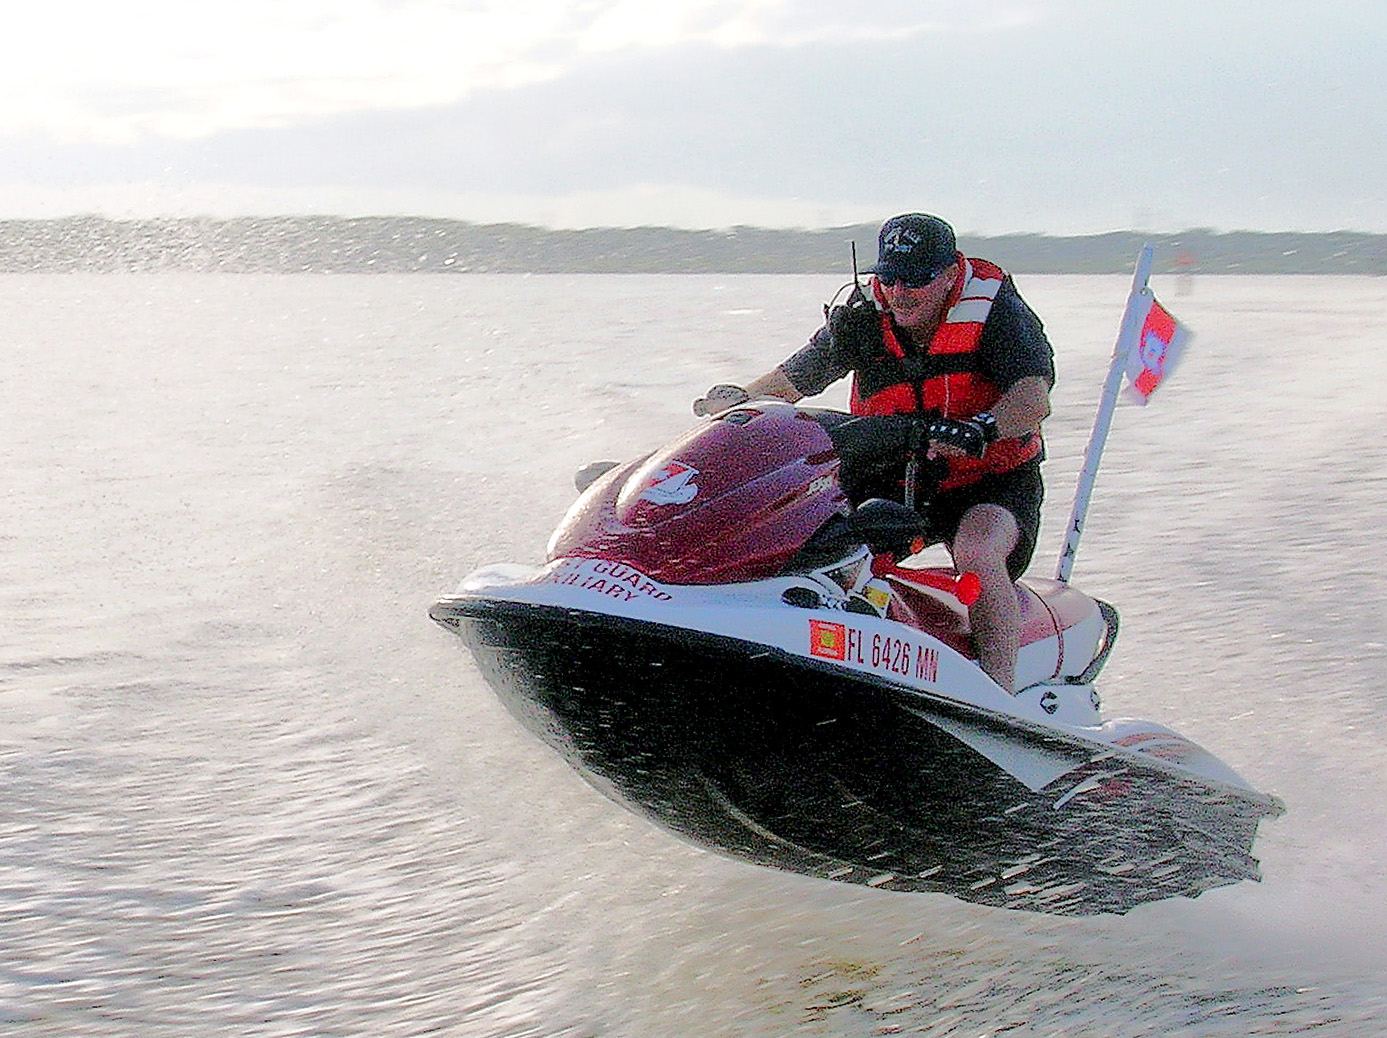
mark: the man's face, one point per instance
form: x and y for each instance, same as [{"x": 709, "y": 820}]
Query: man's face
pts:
[{"x": 919, "y": 309}]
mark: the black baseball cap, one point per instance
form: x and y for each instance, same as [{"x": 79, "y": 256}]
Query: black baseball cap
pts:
[{"x": 914, "y": 248}]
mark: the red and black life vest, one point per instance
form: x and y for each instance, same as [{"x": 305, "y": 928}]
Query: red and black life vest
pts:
[{"x": 945, "y": 378}]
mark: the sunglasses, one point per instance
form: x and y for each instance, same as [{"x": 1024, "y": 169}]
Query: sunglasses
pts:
[{"x": 891, "y": 280}]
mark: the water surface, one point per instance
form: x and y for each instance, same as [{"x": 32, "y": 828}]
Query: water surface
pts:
[{"x": 249, "y": 789}]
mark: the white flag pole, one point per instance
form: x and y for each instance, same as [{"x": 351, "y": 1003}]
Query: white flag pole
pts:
[{"x": 1126, "y": 340}]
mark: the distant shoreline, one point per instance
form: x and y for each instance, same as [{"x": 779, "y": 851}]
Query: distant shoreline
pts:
[{"x": 327, "y": 244}]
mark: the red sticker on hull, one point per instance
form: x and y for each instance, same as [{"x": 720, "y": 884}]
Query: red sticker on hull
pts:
[{"x": 828, "y": 640}]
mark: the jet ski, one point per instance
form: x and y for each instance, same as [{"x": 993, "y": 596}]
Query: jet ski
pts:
[{"x": 726, "y": 640}]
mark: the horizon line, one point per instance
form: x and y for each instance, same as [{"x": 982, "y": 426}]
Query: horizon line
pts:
[{"x": 673, "y": 228}]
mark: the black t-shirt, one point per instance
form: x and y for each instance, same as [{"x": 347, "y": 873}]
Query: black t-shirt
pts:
[{"x": 1012, "y": 346}]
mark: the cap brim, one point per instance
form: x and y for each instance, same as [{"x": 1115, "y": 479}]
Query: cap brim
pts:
[{"x": 885, "y": 268}]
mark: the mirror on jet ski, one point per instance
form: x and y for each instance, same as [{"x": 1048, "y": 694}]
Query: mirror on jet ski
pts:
[{"x": 590, "y": 473}]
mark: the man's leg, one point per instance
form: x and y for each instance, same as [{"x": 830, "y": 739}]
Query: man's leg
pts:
[{"x": 985, "y": 538}]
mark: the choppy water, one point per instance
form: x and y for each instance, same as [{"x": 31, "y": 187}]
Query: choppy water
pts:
[{"x": 247, "y": 788}]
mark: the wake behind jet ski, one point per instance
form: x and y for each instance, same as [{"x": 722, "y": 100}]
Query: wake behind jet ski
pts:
[{"x": 720, "y": 641}]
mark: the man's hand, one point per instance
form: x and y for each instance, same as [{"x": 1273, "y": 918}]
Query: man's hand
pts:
[
  {"x": 720, "y": 398},
  {"x": 968, "y": 436}
]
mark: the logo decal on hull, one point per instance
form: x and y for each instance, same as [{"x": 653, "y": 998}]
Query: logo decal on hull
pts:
[
  {"x": 672, "y": 485},
  {"x": 828, "y": 640}
]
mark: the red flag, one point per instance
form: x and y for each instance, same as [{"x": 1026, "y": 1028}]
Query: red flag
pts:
[{"x": 1159, "y": 346}]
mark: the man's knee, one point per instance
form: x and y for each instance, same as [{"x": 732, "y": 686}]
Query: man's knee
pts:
[{"x": 985, "y": 538}]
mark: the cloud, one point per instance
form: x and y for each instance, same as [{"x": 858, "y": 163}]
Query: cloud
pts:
[
  {"x": 121, "y": 73},
  {"x": 1059, "y": 115},
  {"x": 630, "y": 24}
]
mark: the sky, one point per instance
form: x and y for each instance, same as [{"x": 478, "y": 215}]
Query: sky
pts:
[{"x": 1044, "y": 116}]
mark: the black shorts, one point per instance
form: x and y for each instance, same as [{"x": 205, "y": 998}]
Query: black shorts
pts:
[{"x": 1019, "y": 491}]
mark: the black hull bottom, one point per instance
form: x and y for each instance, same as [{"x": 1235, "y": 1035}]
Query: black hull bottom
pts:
[{"x": 764, "y": 758}]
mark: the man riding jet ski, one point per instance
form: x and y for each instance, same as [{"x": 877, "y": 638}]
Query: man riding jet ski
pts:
[
  {"x": 949, "y": 340},
  {"x": 724, "y": 638},
  {"x": 719, "y": 641}
]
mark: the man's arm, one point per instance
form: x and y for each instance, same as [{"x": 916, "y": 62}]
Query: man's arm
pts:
[
  {"x": 774, "y": 383},
  {"x": 1022, "y": 407},
  {"x": 813, "y": 366}
]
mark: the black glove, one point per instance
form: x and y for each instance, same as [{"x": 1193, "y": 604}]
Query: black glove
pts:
[
  {"x": 720, "y": 398},
  {"x": 970, "y": 435},
  {"x": 854, "y": 329}
]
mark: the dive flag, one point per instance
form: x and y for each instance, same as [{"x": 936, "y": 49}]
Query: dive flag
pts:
[{"x": 1160, "y": 343}]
